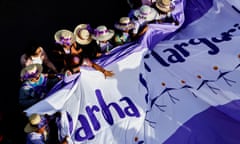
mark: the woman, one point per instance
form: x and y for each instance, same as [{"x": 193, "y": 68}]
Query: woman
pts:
[
  {"x": 35, "y": 85},
  {"x": 103, "y": 37},
  {"x": 123, "y": 31},
  {"x": 35, "y": 54},
  {"x": 65, "y": 46},
  {"x": 40, "y": 130},
  {"x": 83, "y": 33}
]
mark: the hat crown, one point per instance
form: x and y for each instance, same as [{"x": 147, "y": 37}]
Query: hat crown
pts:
[
  {"x": 146, "y": 13},
  {"x": 30, "y": 71},
  {"x": 145, "y": 10},
  {"x": 101, "y": 30},
  {"x": 164, "y": 5},
  {"x": 84, "y": 34},
  {"x": 164, "y": 2},
  {"x": 124, "y": 24},
  {"x": 66, "y": 34},
  {"x": 124, "y": 20},
  {"x": 34, "y": 119}
]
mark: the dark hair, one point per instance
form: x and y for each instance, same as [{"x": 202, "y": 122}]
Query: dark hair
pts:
[
  {"x": 31, "y": 48},
  {"x": 74, "y": 61}
]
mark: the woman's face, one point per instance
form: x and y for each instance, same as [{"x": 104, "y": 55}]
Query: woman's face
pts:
[
  {"x": 104, "y": 41},
  {"x": 66, "y": 46}
]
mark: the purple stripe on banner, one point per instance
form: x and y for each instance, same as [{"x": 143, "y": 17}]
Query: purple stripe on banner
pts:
[
  {"x": 118, "y": 53},
  {"x": 231, "y": 109},
  {"x": 194, "y": 9},
  {"x": 70, "y": 120},
  {"x": 66, "y": 83},
  {"x": 216, "y": 125}
]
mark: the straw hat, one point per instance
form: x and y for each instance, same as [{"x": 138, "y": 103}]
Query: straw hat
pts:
[
  {"x": 83, "y": 34},
  {"x": 164, "y": 5},
  {"x": 101, "y": 33},
  {"x": 64, "y": 37},
  {"x": 31, "y": 71},
  {"x": 34, "y": 120},
  {"x": 146, "y": 12},
  {"x": 124, "y": 24}
]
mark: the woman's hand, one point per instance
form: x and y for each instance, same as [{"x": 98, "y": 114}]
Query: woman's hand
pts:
[{"x": 108, "y": 73}]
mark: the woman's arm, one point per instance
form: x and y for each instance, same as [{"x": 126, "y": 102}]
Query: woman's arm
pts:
[
  {"x": 106, "y": 73},
  {"x": 47, "y": 62},
  {"x": 75, "y": 50}
]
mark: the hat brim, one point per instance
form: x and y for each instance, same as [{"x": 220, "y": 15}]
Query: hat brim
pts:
[
  {"x": 105, "y": 37},
  {"x": 124, "y": 27},
  {"x": 28, "y": 128},
  {"x": 163, "y": 9},
  {"x": 57, "y": 36},
  {"x": 149, "y": 17},
  {"x": 83, "y": 42},
  {"x": 26, "y": 69},
  {"x": 78, "y": 39}
]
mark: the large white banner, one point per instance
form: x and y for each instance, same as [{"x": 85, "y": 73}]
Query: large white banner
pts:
[{"x": 183, "y": 90}]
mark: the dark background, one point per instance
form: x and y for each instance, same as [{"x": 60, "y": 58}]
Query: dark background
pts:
[{"x": 25, "y": 20}]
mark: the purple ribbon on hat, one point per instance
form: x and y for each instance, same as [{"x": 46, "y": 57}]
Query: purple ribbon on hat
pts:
[
  {"x": 124, "y": 24},
  {"x": 30, "y": 75},
  {"x": 63, "y": 41},
  {"x": 98, "y": 33},
  {"x": 88, "y": 27}
]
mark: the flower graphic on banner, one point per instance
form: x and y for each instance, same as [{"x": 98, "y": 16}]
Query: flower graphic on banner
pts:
[
  {"x": 222, "y": 75},
  {"x": 206, "y": 82},
  {"x": 185, "y": 86}
]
